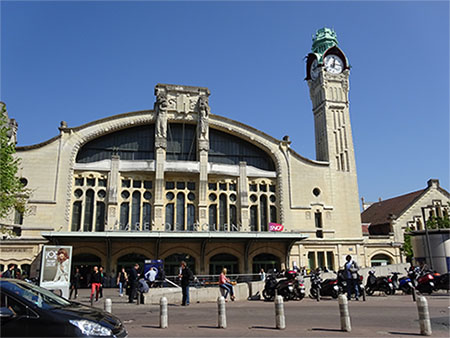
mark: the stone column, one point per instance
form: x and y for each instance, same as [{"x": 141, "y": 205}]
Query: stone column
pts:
[
  {"x": 243, "y": 197},
  {"x": 203, "y": 183},
  {"x": 112, "y": 191},
  {"x": 159, "y": 184}
]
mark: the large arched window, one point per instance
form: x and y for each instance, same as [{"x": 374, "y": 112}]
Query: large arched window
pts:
[
  {"x": 88, "y": 207},
  {"x": 137, "y": 143},
  {"x": 181, "y": 200},
  {"x": 172, "y": 263},
  {"x": 265, "y": 261},
  {"x": 220, "y": 261},
  {"x": 229, "y": 149}
]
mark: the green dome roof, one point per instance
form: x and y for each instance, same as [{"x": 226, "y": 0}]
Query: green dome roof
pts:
[{"x": 324, "y": 39}]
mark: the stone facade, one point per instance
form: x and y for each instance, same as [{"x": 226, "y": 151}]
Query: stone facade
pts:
[{"x": 183, "y": 193}]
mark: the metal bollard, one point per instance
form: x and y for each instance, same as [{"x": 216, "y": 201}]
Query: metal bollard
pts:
[
  {"x": 108, "y": 305},
  {"x": 279, "y": 313},
  {"x": 222, "y": 320},
  {"x": 424, "y": 316},
  {"x": 163, "y": 315},
  {"x": 345, "y": 315}
]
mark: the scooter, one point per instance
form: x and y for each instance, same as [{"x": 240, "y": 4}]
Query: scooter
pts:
[
  {"x": 284, "y": 287},
  {"x": 404, "y": 283},
  {"x": 382, "y": 283},
  {"x": 442, "y": 282},
  {"x": 316, "y": 286}
]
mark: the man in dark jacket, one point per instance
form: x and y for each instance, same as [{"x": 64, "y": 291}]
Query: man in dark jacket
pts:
[
  {"x": 133, "y": 281},
  {"x": 186, "y": 276}
]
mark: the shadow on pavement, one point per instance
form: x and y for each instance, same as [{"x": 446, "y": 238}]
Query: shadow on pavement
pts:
[
  {"x": 264, "y": 327},
  {"x": 405, "y": 333},
  {"x": 326, "y": 330}
]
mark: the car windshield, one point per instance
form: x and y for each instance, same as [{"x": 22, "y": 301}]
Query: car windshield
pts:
[{"x": 42, "y": 298}]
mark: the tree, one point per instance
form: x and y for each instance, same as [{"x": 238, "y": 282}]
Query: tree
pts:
[
  {"x": 13, "y": 194},
  {"x": 407, "y": 246}
]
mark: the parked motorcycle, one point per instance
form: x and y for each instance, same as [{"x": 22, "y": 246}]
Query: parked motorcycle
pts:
[
  {"x": 286, "y": 287},
  {"x": 423, "y": 280},
  {"x": 403, "y": 284},
  {"x": 316, "y": 285},
  {"x": 382, "y": 284},
  {"x": 442, "y": 282}
]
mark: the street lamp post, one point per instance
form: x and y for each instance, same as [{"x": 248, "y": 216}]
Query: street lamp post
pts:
[{"x": 427, "y": 236}]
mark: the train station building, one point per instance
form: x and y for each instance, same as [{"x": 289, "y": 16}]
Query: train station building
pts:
[{"x": 181, "y": 181}]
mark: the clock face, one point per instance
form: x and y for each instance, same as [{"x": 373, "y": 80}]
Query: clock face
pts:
[
  {"x": 333, "y": 64},
  {"x": 314, "y": 70}
]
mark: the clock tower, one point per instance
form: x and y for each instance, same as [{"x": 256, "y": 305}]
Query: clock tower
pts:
[{"x": 327, "y": 73}]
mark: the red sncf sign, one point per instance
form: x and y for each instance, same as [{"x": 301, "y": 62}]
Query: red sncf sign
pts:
[{"x": 275, "y": 227}]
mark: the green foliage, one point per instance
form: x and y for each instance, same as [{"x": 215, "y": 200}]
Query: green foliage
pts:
[
  {"x": 13, "y": 195},
  {"x": 407, "y": 246},
  {"x": 438, "y": 222}
]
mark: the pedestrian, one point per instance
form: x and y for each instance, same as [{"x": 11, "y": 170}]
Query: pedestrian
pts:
[
  {"x": 122, "y": 279},
  {"x": 225, "y": 283},
  {"x": 75, "y": 283},
  {"x": 95, "y": 282},
  {"x": 102, "y": 280},
  {"x": 10, "y": 272},
  {"x": 133, "y": 281},
  {"x": 351, "y": 274},
  {"x": 186, "y": 277},
  {"x": 262, "y": 275}
]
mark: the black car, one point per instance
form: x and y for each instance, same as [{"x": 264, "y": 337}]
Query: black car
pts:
[{"x": 31, "y": 311}]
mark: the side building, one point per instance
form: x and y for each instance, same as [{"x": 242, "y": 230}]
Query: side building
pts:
[
  {"x": 385, "y": 222},
  {"x": 179, "y": 182}
]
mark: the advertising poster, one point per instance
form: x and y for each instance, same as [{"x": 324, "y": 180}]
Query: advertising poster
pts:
[
  {"x": 153, "y": 269},
  {"x": 56, "y": 267}
]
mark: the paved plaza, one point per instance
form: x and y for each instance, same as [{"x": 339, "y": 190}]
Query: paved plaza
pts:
[{"x": 394, "y": 316}]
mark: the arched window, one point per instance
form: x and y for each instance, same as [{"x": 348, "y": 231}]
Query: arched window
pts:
[
  {"x": 172, "y": 263},
  {"x": 136, "y": 210},
  {"x": 220, "y": 261},
  {"x": 137, "y": 143},
  {"x": 229, "y": 149},
  {"x": 212, "y": 217},
  {"x": 85, "y": 262},
  {"x": 100, "y": 218},
  {"x": 265, "y": 261},
  {"x": 180, "y": 212},
  {"x": 128, "y": 261},
  {"x": 89, "y": 211},
  {"x": 380, "y": 259},
  {"x": 76, "y": 216}
]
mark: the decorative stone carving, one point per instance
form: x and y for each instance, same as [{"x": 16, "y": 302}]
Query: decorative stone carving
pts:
[
  {"x": 11, "y": 124},
  {"x": 161, "y": 107},
  {"x": 203, "y": 118}
]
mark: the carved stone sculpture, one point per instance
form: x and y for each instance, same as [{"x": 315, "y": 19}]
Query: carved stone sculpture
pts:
[
  {"x": 203, "y": 113},
  {"x": 161, "y": 120}
]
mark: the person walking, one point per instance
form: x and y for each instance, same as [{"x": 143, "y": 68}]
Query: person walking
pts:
[
  {"x": 102, "y": 280},
  {"x": 186, "y": 277},
  {"x": 225, "y": 283},
  {"x": 122, "y": 279},
  {"x": 133, "y": 281},
  {"x": 351, "y": 274},
  {"x": 75, "y": 283},
  {"x": 95, "y": 282}
]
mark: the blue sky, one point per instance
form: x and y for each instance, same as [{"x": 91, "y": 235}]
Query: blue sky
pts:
[{"x": 85, "y": 60}]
